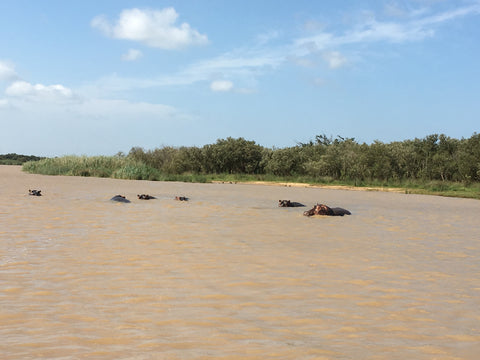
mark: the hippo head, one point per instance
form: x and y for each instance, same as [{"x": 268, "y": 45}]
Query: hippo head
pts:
[
  {"x": 310, "y": 212},
  {"x": 145, "y": 197},
  {"x": 284, "y": 203},
  {"x": 321, "y": 209}
]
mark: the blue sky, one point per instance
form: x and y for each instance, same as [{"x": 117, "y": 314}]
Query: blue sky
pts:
[{"x": 99, "y": 77}]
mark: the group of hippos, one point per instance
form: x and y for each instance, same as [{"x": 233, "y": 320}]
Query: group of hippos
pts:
[
  {"x": 118, "y": 198},
  {"x": 318, "y": 209},
  {"x": 121, "y": 198}
]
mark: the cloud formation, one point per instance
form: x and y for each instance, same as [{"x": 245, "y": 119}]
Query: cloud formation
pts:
[
  {"x": 4, "y": 103},
  {"x": 7, "y": 72},
  {"x": 371, "y": 30},
  {"x": 23, "y": 89},
  {"x": 334, "y": 59},
  {"x": 60, "y": 102},
  {"x": 154, "y": 28},
  {"x": 335, "y": 49},
  {"x": 221, "y": 85}
]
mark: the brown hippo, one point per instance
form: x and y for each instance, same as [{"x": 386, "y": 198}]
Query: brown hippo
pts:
[
  {"x": 321, "y": 209},
  {"x": 145, "y": 197},
  {"x": 35, "y": 192},
  {"x": 288, "y": 203},
  {"x": 181, "y": 198},
  {"x": 120, "y": 198}
]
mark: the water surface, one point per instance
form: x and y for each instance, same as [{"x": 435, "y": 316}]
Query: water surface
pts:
[{"x": 229, "y": 275}]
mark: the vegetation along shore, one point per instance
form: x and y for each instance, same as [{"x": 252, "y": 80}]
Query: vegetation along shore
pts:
[{"x": 436, "y": 164}]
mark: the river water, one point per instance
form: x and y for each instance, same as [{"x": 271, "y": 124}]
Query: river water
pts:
[{"x": 229, "y": 275}]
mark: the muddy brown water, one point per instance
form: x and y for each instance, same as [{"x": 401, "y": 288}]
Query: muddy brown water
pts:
[{"x": 229, "y": 275}]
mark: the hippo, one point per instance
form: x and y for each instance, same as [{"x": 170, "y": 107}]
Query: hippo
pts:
[
  {"x": 181, "y": 198},
  {"x": 120, "y": 198},
  {"x": 35, "y": 192},
  {"x": 288, "y": 203},
  {"x": 321, "y": 209},
  {"x": 145, "y": 197}
]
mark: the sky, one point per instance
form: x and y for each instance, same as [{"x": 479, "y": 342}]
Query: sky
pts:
[{"x": 100, "y": 77}]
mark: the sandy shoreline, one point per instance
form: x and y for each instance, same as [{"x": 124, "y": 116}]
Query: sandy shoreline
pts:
[
  {"x": 305, "y": 185},
  {"x": 295, "y": 185}
]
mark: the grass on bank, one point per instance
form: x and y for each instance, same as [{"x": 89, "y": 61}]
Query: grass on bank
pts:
[
  {"x": 104, "y": 166},
  {"x": 125, "y": 168}
]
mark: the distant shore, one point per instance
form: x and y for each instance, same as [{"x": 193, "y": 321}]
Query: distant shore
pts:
[
  {"x": 131, "y": 172},
  {"x": 332, "y": 187}
]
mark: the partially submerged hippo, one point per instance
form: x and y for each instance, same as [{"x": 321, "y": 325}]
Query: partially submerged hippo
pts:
[
  {"x": 181, "y": 198},
  {"x": 145, "y": 197},
  {"x": 35, "y": 192},
  {"x": 321, "y": 209},
  {"x": 288, "y": 203},
  {"x": 120, "y": 198}
]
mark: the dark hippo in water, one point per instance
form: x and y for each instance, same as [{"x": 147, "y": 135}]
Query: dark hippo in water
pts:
[
  {"x": 181, "y": 198},
  {"x": 321, "y": 209},
  {"x": 145, "y": 197},
  {"x": 120, "y": 198},
  {"x": 288, "y": 203},
  {"x": 35, "y": 192}
]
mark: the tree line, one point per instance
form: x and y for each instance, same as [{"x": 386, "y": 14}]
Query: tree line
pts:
[
  {"x": 17, "y": 159},
  {"x": 435, "y": 157}
]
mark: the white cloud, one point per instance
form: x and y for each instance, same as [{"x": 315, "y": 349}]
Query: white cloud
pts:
[
  {"x": 368, "y": 32},
  {"x": 371, "y": 30},
  {"x": 242, "y": 67},
  {"x": 132, "y": 55},
  {"x": 449, "y": 15},
  {"x": 7, "y": 72},
  {"x": 57, "y": 120},
  {"x": 50, "y": 99},
  {"x": 4, "y": 103},
  {"x": 334, "y": 59},
  {"x": 30, "y": 100},
  {"x": 377, "y": 31},
  {"x": 92, "y": 126},
  {"x": 221, "y": 85},
  {"x": 412, "y": 25},
  {"x": 111, "y": 109},
  {"x": 23, "y": 89},
  {"x": 155, "y": 28}
]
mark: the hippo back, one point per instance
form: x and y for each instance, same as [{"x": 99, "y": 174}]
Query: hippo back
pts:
[
  {"x": 120, "y": 198},
  {"x": 337, "y": 211},
  {"x": 288, "y": 203}
]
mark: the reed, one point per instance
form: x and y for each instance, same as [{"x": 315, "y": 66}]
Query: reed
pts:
[
  {"x": 97, "y": 166},
  {"x": 136, "y": 171}
]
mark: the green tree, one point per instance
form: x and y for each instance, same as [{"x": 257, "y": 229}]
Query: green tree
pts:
[
  {"x": 233, "y": 156},
  {"x": 468, "y": 159},
  {"x": 444, "y": 162},
  {"x": 285, "y": 162}
]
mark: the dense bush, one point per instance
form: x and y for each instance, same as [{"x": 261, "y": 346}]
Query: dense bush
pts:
[
  {"x": 434, "y": 159},
  {"x": 16, "y": 159}
]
